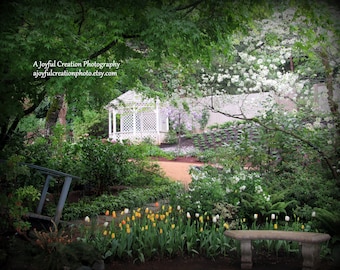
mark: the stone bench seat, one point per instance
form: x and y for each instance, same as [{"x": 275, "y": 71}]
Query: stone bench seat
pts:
[{"x": 309, "y": 241}]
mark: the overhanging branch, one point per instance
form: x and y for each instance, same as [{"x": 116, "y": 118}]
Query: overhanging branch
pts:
[
  {"x": 189, "y": 6},
  {"x": 287, "y": 132},
  {"x": 109, "y": 46}
]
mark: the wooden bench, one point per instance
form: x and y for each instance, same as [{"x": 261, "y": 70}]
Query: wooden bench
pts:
[
  {"x": 310, "y": 242},
  {"x": 63, "y": 195}
]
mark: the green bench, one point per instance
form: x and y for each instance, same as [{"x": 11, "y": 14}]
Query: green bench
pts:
[{"x": 309, "y": 241}]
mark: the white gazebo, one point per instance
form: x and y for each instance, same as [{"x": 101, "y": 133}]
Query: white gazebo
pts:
[{"x": 135, "y": 117}]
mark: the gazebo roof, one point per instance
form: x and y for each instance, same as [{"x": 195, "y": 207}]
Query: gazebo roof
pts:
[{"x": 130, "y": 98}]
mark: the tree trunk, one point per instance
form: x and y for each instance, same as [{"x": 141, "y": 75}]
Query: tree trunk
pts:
[
  {"x": 334, "y": 109},
  {"x": 54, "y": 112}
]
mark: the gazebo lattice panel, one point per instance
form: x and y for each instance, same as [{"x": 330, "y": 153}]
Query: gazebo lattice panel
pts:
[{"x": 135, "y": 118}]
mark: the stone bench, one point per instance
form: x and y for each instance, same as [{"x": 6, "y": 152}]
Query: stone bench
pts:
[{"x": 310, "y": 242}]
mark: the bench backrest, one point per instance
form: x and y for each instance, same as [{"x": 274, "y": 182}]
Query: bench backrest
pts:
[{"x": 303, "y": 237}]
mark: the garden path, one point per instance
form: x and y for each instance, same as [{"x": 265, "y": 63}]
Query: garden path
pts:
[{"x": 178, "y": 170}]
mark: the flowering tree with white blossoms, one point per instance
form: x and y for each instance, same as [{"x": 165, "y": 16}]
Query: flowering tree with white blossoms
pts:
[{"x": 285, "y": 56}]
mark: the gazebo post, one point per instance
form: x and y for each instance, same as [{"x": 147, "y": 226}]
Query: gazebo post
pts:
[
  {"x": 114, "y": 118},
  {"x": 157, "y": 123},
  {"x": 110, "y": 122}
]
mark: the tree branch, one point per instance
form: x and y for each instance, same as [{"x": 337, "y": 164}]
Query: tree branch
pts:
[
  {"x": 189, "y": 6},
  {"x": 82, "y": 16},
  {"x": 306, "y": 142},
  {"x": 277, "y": 128},
  {"x": 109, "y": 46},
  {"x": 103, "y": 50}
]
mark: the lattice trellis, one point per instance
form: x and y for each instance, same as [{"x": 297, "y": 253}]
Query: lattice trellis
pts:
[{"x": 135, "y": 118}]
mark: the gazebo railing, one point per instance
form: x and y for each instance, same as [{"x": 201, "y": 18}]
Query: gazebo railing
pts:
[{"x": 157, "y": 137}]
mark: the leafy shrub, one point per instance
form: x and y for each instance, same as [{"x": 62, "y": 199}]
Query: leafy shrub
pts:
[
  {"x": 309, "y": 189},
  {"x": 16, "y": 198},
  {"x": 244, "y": 189},
  {"x": 130, "y": 198},
  {"x": 106, "y": 164},
  {"x": 92, "y": 123},
  {"x": 55, "y": 152}
]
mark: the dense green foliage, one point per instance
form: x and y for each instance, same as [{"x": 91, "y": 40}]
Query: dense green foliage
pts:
[
  {"x": 137, "y": 35},
  {"x": 279, "y": 170}
]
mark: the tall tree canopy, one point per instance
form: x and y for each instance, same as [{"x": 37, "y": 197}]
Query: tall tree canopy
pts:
[{"x": 135, "y": 34}]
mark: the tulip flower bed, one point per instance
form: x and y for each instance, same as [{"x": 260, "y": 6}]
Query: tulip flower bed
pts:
[{"x": 143, "y": 234}]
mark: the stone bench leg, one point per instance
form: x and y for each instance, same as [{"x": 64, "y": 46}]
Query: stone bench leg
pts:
[
  {"x": 311, "y": 256},
  {"x": 246, "y": 254}
]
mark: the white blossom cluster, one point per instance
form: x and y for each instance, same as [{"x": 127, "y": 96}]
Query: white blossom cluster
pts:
[
  {"x": 247, "y": 181},
  {"x": 269, "y": 58},
  {"x": 244, "y": 181}
]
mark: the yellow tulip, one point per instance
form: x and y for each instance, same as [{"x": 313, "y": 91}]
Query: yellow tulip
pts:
[
  {"x": 275, "y": 226},
  {"x": 113, "y": 235},
  {"x": 173, "y": 226},
  {"x": 160, "y": 230},
  {"x": 128, "y": 230},
  {"x": 105, "y": 232},
  {"x": 114, "y": 214},
  {"x": 302, "y": 227}
]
